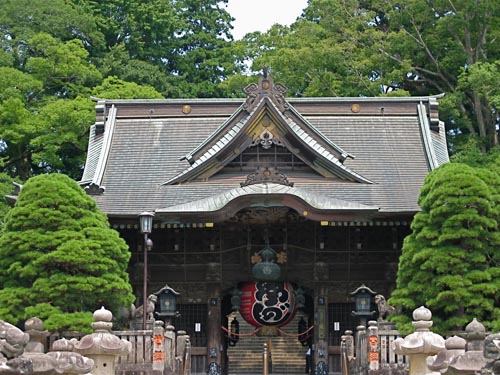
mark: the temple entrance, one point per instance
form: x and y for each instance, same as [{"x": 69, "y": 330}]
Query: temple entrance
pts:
[
  {"x": 247, "y": 334},
  {"x": 286, "y": 354}
]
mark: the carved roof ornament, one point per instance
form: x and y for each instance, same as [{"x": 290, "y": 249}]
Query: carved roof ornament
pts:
[
  {"x": 266, "y": 139},
  {"x": 94, "y": 189},
  {"x": 266, "y": 174},
  {"x": 265, "y": 88}
]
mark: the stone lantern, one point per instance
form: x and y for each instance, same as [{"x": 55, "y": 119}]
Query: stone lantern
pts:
[
  {"x": 420, "y": 344},
  {"x": 472, "y": 361},
  {"x": 102, "y": 346}
]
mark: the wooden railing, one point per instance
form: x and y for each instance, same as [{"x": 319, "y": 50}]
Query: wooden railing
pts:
[
  {"x": 387, "y": 356},
  {"x": 140, "y": 359}
]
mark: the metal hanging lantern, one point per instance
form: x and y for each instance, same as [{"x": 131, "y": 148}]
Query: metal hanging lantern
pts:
[
  {"x": 266, "y": 270},
  {"x": 235, "y": 299},
  {"x": 301, "y": 299}
]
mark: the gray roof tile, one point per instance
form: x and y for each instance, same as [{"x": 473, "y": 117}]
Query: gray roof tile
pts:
[{"x": 145, "y": 153}]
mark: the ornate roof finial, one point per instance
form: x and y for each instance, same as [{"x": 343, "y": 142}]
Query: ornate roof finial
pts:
[{"x": 265, "y": 71}]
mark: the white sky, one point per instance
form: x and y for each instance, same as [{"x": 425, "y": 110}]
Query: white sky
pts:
[{"x": 260, "y": 15}]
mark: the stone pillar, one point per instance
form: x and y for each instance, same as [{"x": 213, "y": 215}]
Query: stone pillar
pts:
[
  {"x": 346, "y": 351},
  {"x": 182, "y": 347},
  {"x": 361, "y": 345},
  {"x": 35, "y": 348},
  {"x": 373, "y": 346},
  {"x": 320, "y": 345},
  {"x": 421, "y": 344},
  {"x": 159, "y": 354},
  {"x": 214, "y": 345},
  {"x": 169, "y": 342},
  {"x": 34, "y": 327},
  {"x": 102, "y": 346}
]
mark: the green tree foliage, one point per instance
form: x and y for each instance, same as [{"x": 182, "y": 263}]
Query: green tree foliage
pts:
[
  {"x": 6, "y": 188},
  {"x": 181, "y": 48},
  {"x": 21, "y": 20},
  {"x": 62, "y": 67},
  {"x": 202, "y": 55},
  {"x": 46, "y": 111},
  {"x": 381, "y": 47},
  {"x": 114, "y": 88},
  {"x": 450, "y": 263},
  {"x": 59, "y": 260},
  {"x": 55, "y": 54}
]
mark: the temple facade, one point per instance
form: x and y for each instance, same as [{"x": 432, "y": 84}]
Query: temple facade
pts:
[{"x": 260, "y": 198}]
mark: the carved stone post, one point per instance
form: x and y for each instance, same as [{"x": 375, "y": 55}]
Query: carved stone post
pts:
[
  {"x": 421, "y": 344},
  {"x": 214, "y": 348},
  {"x": 373, "y": 347},
  {"x": 169, "y": 342},
  {"x": 321, "y": 320},
  {"x": 182, "y": 348},
  {"x": 34, "y": 327},
  {"x": 346, "y": 351},
  {"x": 361, "y": 344},
  {"x": 102, "y": 346},
  {"x": 159, "y": 354}
]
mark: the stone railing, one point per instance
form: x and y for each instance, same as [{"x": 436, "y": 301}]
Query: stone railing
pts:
[
  {"x": 378, "y": 350},
  {"x": 36, "y": 352},
  {"x": 168, "y": 355}
]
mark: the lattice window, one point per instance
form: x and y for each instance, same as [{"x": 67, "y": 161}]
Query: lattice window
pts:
[
  {"x": 193, "y": 320},
  {"x": 274, "y": 156},
  {"x": 340, "y": 319}
]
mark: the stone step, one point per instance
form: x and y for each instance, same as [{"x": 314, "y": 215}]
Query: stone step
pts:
[{"x": 287, "y": 353}]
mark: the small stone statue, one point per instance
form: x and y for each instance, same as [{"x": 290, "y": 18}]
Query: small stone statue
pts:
[
  {"x": 136, "y": 312},
  {"x": 384, "y": 309}
]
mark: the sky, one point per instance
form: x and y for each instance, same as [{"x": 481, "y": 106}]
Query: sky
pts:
[{"x": 260, "y": 15}]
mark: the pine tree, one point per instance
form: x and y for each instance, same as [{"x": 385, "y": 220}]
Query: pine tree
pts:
[
  {"x": 449, "y": 263},
  {"x": 59, "y": 260}
]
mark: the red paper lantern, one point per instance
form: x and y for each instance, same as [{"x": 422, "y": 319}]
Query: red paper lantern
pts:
[{"x": 268, "y": 303}]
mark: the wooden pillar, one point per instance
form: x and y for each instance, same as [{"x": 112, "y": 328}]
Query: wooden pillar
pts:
[
  {"x": 214, "y": 344},
  {"x": 320, "y": 346}
]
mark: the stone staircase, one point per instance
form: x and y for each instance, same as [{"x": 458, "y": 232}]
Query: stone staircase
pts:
[{"x": 287, "y": 353}]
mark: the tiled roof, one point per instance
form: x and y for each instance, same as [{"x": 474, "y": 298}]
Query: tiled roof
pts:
[
  {"x": 147, "y": 151},
  {"x": 235, "y": 128},
  {"x": 221, "y": 200}
]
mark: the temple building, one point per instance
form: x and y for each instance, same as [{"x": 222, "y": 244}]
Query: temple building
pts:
[{"x": 268, "y": 210}]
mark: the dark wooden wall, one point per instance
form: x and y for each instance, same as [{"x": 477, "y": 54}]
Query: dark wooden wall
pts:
[{"x": 341, "y": 257}]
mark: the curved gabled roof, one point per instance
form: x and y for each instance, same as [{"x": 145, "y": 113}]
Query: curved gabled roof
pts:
[
  {"x": 137, "y": 145},
  {"x": 274, "y": 194},
  {"x": 242, "y": 129}
]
